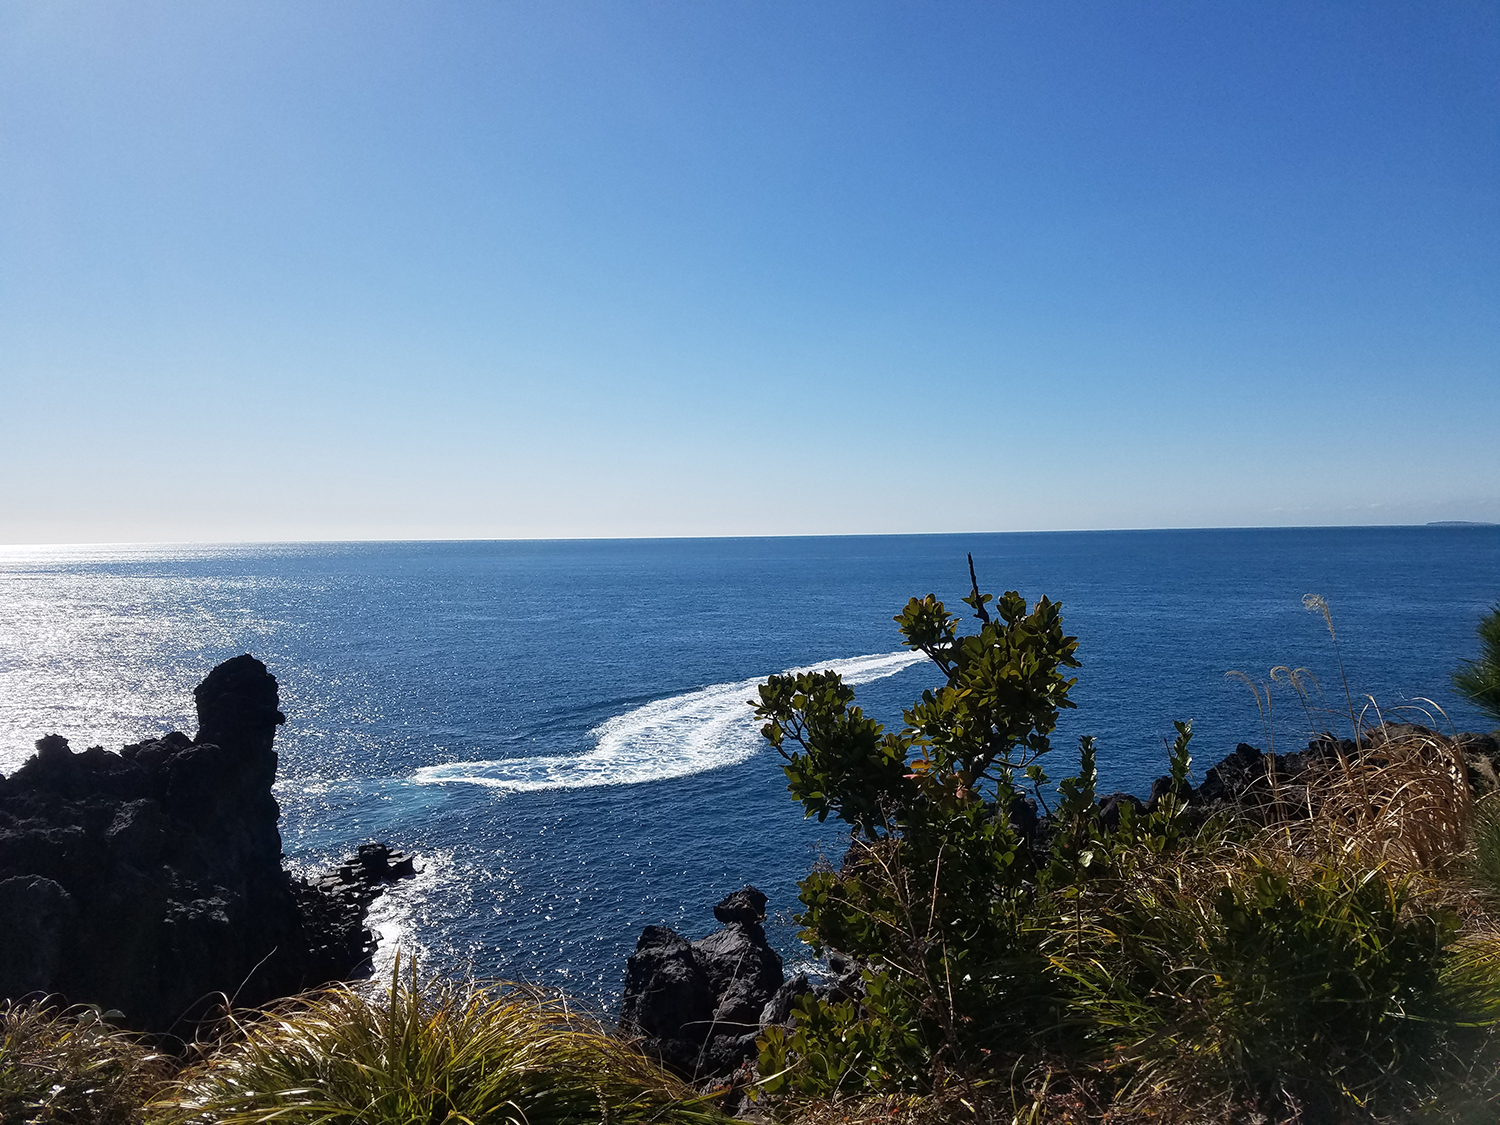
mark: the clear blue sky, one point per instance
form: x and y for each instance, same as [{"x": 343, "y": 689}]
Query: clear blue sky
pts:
[{"x": 393, "y": 270}]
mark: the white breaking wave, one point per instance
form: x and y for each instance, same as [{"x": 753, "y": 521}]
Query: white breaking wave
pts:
[
  {"x": 686, "y": 734},
  {"x": 403, "y": 911}
]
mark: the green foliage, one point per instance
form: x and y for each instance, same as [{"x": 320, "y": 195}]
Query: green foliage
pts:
[
  {"x": 839, "y": 1048},
  {"x": 1484, "y": 849},
  {"x": 1319, "y": 982},
  {"x": 1480, "y": 679},
  {"x": 1178, "y": 955},
  {"x": 848, "y": 765},
  {"x": 72, "y": 1067},
  {"x": 970, "y": 737},
  {"x": 441, "y": 1054},
  {"x": 935, "y": 888}
]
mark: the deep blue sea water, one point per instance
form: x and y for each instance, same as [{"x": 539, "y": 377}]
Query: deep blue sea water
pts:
[{"x": 559, "y": 729}]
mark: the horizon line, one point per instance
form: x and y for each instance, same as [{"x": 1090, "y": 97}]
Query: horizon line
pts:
[{"x": 770, "y": 535}]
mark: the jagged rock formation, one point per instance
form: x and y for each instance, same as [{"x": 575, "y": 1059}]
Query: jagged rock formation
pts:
[
  {"x": 150, "y": 881},
  {"x": 698, "y": 1006}
]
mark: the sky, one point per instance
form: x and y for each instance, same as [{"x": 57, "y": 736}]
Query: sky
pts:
[{"x": 369, "y": 270}]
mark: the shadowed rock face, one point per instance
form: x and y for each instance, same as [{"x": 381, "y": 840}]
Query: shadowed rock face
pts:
[
  {"x": 697, "y": 1006},
  {"x": 150, "y": 881}
]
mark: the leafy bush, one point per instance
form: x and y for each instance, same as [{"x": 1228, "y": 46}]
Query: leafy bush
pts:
[
  {"x": 443, "y": 1052},
  {"x": 936, "y": 890},
  {"x": 72, "y": 1067},
  {"x": 838, "y": 1048},
  {"x": 931, "y": 892}
]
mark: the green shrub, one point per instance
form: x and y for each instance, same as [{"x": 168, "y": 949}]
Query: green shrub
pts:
[
  {"x": 1480, "y": 679},
  {"x": 1232, "y": 978},
  {"x": 72, "y": 1067},
  {"x": 441, "y": 1052},
  {"x": 843, "y": 1048},
  {"x": 1283, "y": 968}
]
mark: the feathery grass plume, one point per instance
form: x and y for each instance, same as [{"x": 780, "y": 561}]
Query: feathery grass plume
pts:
[
  {"x": 70, "y": 1066},
  {"x": 1318, "y": 604},
  {"x": 1262, "y": 705},
  {"x": 1276, "y": 809},
  {"x": 431, "y": 1051},
  {"x": 1480, "y": 679},
  {"x": 1403, "y": 804}
]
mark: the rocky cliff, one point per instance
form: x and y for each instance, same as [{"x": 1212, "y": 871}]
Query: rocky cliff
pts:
[{"x": 150, "y": 881}]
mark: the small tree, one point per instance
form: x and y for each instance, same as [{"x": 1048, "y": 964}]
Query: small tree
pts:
[
  {"x": 1202, "y": 959},
  {"x": 930, "y": 894}
]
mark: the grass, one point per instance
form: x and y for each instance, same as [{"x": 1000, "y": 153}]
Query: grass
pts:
[
  {"x": 70, "y": 1067},
  {"x": 433, "y": 1052},
  {"x": 1402, "y": 805}
]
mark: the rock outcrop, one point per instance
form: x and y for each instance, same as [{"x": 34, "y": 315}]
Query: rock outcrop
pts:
[
  {"x": 150, "y": 881},
  {"x": 698, "y": 1006}
]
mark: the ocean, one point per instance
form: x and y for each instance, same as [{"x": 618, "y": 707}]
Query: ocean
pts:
[{"x": 560, "y": 730}]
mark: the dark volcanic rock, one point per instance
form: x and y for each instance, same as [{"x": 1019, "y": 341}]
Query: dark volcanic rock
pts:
[
  {"x": 748, "y": 905},
  {"x": 150, "y": 881},
  {"x": 667, "y": 998},
  {"x": 697, "y": 1006},
  {"x": 35, "y": 914},
  {"x": 743, "y": 971},
  {"x": 1232, "y": 777}
]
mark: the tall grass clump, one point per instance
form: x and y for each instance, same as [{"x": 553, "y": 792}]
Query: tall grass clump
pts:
[
  {"x": 434, "y": 1052},
  {"x": 1403, "y": 804},
  {"x": 72, "y": 1068},
  {"x": 1226, "y": 976}
]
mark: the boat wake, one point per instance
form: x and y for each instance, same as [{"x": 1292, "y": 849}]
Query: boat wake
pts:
[{"x": 685, "y": 734}]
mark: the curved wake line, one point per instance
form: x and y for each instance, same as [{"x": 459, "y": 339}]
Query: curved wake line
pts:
[{"x": 685, "y": 734}]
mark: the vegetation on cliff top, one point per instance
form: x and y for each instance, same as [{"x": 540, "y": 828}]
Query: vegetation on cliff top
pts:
[
  {"x": 1327, "y": 952},
  {"x": 1330, "y": 953}
]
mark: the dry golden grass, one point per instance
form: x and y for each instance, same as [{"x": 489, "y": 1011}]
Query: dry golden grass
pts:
[{"x": 1402, "y": 804}]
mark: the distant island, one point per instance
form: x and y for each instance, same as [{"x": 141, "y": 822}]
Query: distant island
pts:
[{"x": 1462, "y": 523}]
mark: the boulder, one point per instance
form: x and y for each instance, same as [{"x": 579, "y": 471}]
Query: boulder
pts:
[
  {"x": 696, "y": 1006},
  {"x": 748, "y": 905},
  {"x": 743, "y": 973}
]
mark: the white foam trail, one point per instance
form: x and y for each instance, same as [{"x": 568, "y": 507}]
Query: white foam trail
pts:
[{"x": 686, "y": 734}]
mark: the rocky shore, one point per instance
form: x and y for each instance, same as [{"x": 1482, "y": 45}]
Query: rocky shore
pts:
[{"x": 150, "y": 881}]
